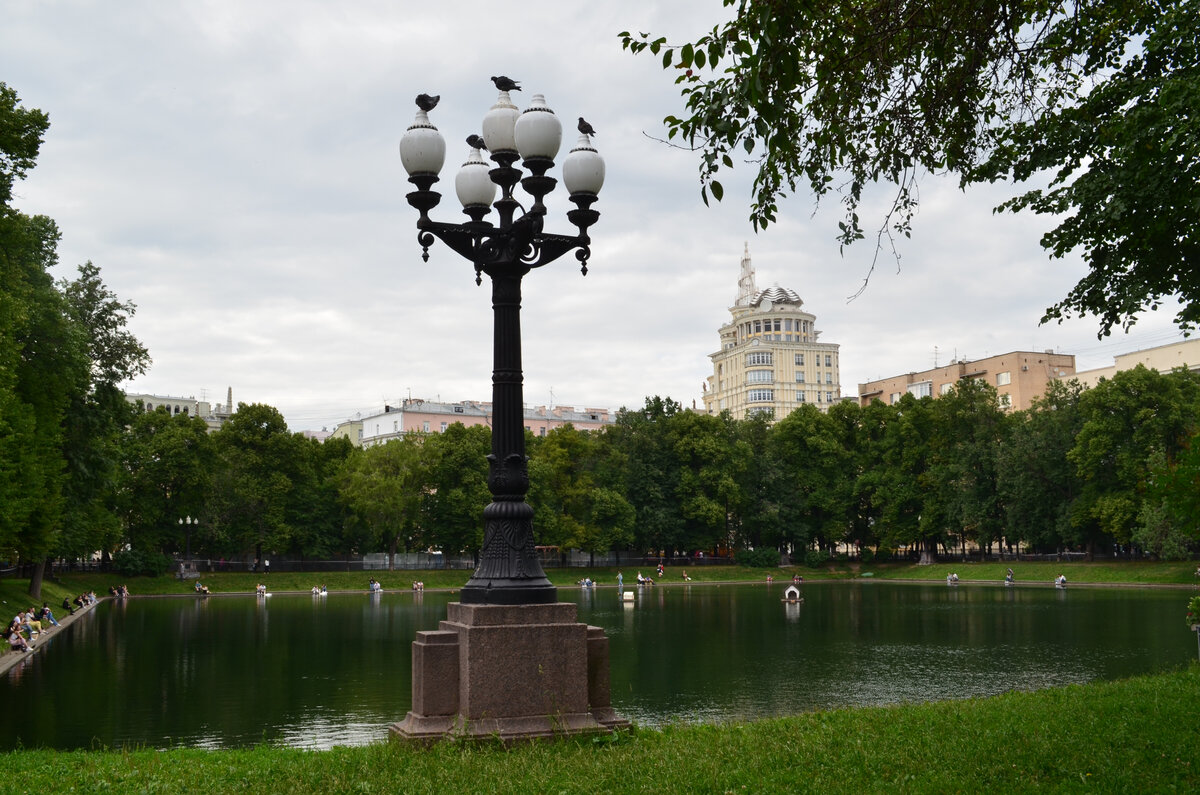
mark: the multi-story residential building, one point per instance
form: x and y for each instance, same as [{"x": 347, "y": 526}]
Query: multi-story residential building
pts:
[
  {"x": 214, "y": 416},
  {"x": 1019, "y": 377},
  {"x": 1162, "y": 358},
  {"x": 414, "y": 415},
  {"x": 770, "y": 361}
]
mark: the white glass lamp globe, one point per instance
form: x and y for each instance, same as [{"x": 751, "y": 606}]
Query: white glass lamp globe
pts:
[
  {"x": 422, "y": 149},
  {"x": 583, "y": 169},
  {"x": 499, "y": 123},
  {"x": 472, "y": 183},
  {"x": 538, "y": 131}
]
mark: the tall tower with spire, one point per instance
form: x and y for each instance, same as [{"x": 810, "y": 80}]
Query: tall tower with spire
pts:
[
  {"x": 770, "y": 361},
  {"x": 746, "y": 287}
]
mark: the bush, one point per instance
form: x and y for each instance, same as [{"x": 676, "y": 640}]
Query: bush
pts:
[
  {"x": 762, "y": 558},
  {"x": 816, "y": 558},
  {"x": 134, "y": 563},
  {"x": 867, "y": 555}
]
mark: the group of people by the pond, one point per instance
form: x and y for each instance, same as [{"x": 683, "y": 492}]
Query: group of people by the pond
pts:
[
  {"x": 376, "y": 586},
  {"x": 201, "y": 590},
  {"x": 36, "y": 622},
  {"x": 118, "y": 591},
  {"x": 320, "y": 590}
]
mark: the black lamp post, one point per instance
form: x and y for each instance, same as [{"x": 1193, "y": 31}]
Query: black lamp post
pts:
[
  {"x": 509, "y": 571},
  {"x": 187, "y": 523}
]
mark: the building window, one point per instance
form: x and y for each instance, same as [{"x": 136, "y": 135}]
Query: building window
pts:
[
  {"x": 828, "y": 397},
  {"x": 427, "y": 426},
  {"x": 778, "y": 326},
  {"x": 818, "y": 397},
  {"x": 787, "y": 324},
  {"x": 921, "y": 389},
  {"x": 758, "y": 327},
  {"x": 767, "y": 411},
  {"x": 799, "y": 397},
  {"x": 1003, "y": 379},
  {"x": 542, "y": 431},
  {"x": 799, "y": 359},
  {"x": 828, "y": 360},
  {"x": 444, "y": 425},
  {"x": 760, "y": 377},
  {"x": 895, "y": 398},
  {"x": 1005, "y": 401},
  {"x": 762, "y": 395},
  {"x": 946, "y": 387},
  {"x": 758, "y": 358},
  {"x": 799, "y": 378},
  {"x": 829, "y": 378}
]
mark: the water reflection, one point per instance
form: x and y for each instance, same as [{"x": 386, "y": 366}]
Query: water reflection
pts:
[{"x": 321, "y": 671}]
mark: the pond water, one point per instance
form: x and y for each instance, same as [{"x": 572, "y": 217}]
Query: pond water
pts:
[{"x": 321, "y": 671}]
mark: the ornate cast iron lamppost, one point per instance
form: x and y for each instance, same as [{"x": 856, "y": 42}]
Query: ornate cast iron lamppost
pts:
[{"x": 509, "y": 572}]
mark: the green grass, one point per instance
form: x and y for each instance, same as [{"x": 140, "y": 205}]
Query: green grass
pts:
[
  {"x": 1139, "y": 573},
  {"x": 1137, "y": 735}
]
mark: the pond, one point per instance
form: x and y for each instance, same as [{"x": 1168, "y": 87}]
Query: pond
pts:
[{"x": 321, "y": 671}]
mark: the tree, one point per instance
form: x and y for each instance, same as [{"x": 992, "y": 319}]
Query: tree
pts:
[
  {"x": 652, "y": 477},
  {"x": 1131, "y": 422},
  {"x": 254, "y": 483},
  {"x": 812, "y": 468},
  {"x": 98, "y": 414},
  {"x": 384, "y": 485},
  {"x": 166, "y": 463},
  {"x": 456, "y": 491},
  {"x": 846, "y": 94},
  {"x": 1035, "y": 481}
]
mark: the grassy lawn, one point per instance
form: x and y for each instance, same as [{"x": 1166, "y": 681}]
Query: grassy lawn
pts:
[
  {"x": 1137, "y": 735},
  {"x": 14, "y": 592}
]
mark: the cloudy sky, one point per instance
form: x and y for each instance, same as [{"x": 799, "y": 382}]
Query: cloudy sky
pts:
[{"x": 232, "y": 168}]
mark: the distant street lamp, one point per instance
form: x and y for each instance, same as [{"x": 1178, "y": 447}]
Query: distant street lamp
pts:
[
  {"x": 509, "y": 571},
  {"x": 187, "y": 522}
]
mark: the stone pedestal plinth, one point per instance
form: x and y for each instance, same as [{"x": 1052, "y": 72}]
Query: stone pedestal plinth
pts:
[{"x": 511, "y": 672}]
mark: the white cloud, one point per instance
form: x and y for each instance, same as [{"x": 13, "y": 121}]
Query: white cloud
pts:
[{"x": 232, "y": 169}]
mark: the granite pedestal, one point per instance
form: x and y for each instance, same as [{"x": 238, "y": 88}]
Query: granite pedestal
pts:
[{"x": 510, "y": 672}]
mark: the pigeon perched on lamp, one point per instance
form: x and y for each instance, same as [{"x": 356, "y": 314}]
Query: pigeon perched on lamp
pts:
[{"x": 506, "y": 84}]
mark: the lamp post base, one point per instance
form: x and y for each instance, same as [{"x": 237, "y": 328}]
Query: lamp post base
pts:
[{"x": 509, "y": 672}]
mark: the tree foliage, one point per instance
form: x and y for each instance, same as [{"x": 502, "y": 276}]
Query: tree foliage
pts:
[{"x": 844, "y": 95}]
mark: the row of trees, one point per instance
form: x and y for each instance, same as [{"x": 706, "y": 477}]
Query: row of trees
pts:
[{"x": 1081, "y": 469}]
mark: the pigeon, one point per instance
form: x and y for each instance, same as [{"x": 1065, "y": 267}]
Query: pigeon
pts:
[
  {"x": 506, "y": 84},
  {"x": 475, "y": 141},
  {"x": 584, "y": 127},
  {"x": 426, "y": 102}
]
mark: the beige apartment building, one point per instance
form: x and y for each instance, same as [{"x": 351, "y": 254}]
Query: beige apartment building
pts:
[
  {"x": 770, "y": 361},
  {"x": 1162, "y": 358},
  {"x": 415, "y": 415},
  {"x": 1019, "y": 377}
]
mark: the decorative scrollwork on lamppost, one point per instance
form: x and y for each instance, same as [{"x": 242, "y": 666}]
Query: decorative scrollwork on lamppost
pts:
[{"x": 509, "y": 571}]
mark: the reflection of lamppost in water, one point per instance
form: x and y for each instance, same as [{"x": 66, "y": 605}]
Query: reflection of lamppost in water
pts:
[
  {"x": 186, "y": 523},
  {"x": 509, "y": 570}
]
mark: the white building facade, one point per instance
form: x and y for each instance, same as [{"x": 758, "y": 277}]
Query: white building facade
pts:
[{"x": 770, "y": 361}]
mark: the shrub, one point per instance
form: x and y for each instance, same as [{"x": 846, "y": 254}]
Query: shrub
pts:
[
  {"x": 135, "y": 562},
  {"x": 816, "y": 558},
  {"x": 1193, "y": 611},
  {"x": 761, "y": 558}
]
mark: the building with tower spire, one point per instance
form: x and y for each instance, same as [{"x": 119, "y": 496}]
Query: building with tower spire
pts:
[{"x": 770, "y": 361}]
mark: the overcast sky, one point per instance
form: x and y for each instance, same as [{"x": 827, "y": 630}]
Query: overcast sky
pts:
[{"x": 233, "y": 170}]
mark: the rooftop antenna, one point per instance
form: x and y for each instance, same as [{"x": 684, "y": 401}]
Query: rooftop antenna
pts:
[
  {"x": 551, "y": 397},
  {"x": 935, "y": 357}
]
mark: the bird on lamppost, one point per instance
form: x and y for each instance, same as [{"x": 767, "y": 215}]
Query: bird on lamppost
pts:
[
  {"x": 426, "y": 102},
  {"x": 476, "y": 142},
  {"x": 506, "y": 84},
  {"x": 584, "y": 127}
]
